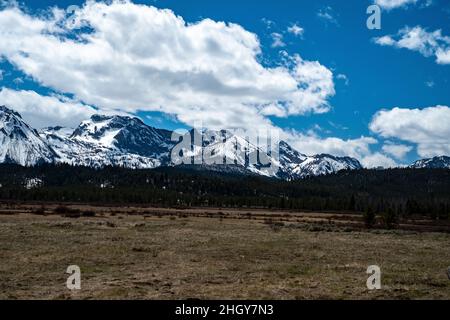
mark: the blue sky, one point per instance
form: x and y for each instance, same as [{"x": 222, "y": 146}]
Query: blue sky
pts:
[{"x": 367, "y": 77}]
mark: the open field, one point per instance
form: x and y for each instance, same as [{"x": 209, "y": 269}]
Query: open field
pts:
[{"x": 151, "y": 253}]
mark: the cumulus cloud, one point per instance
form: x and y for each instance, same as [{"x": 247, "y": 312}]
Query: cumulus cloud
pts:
[
  {"x": 385, "y": 41},
  {"x": 311, "y": 143},
  {"x": 392, "y": 4},
  {"x": 377, "y": 160},
  {"x": 443, "y": 56},
  {"x": 136, "y": 57},
  {"x": 43, "y": 111},
  {"x": 296, "y": 30},
  {"x": 420, "y": 40},
  {"x": 427, "y": 128},
  {"x": 277, "y": 40},
  {"x": 359, "y": 148},
  {"x": 398, "y": 151}
]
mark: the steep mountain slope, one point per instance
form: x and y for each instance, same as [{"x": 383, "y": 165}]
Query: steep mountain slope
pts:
[
  {"x": 113, "y": 141},
  {"x": 20, "y": 143},
  {"x": 227, "y": 152},
  {"x": 128, "y": 142},
  {"x": 295, "y": 165},
  {"x": 442, "y": 162},
  {"x": 324, "y": 164},
  {"x": 126, "y": 134}
]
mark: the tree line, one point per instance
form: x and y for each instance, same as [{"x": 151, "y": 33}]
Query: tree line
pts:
[{"x": 393, "y": 192}]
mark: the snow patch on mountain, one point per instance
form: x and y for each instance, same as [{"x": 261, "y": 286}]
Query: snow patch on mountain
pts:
[
  {"x": 20, "y": 143},
  {"x": 128, "y": 142},
  {"x": 324, "y": 164},
  {"x": 442, "y": 162},
  {"x": 110, "y": 141},
  {"x": 295, "y": 165}
]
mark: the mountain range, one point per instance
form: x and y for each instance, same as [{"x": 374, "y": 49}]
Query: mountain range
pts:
[
  {"x": 128, "y": 142},
  {"x": 442, "y": 162}
]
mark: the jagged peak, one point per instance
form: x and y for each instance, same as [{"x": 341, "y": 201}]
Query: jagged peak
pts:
[
  {"x": 127, "y": 141},
  {"x": 435, "y": 162},
  {"x": 96, "y": 118},
  {"x": 446, "y": 158},
  {"x": 5, "y": 109},
  {"x": 21, "y": 143},
  {"x": 99, "y": 123}
]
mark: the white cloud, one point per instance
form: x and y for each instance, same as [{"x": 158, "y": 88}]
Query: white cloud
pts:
[
  {"x": 311, "y": 144},
  {"x": 138, "y": 57},
  {"x": 443, "y": 56},
  {"x": 296, "y": 30},
  {"x": 328, "y": 15},
  {"x": 392, "y": 4},
  {"x": 359, "y": 148},
  {"x": 398, "y": 151},
  {"x": 43, "y": 111},
  {"x": 273, "y": 110},
  {"x": 377, "y": 159},
  {"x": 277, "y": 40},
  {"x": 344, "y": 78},
  {"x": 420, "y": 40},
  {"x": 428, "y": 128},
  {"x": 385, "y": 41}
]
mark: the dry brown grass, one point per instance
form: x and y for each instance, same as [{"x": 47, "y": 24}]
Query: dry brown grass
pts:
[{"x": 171, "y": 254}]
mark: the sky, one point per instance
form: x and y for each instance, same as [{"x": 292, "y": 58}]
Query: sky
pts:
[{"x": 312, "y": 71}]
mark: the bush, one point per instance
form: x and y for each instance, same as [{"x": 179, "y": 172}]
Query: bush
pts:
[
  {"x": 89, "y": 213},
  {"x": 67, "y": 212},
  {"x": 40, "y": 211},
  {"x": 390, "y": 219},
  {"x": 369, "y": 217}
]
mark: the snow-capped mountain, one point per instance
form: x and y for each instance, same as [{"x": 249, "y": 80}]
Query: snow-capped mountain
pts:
[
  {"x": 111, "y": 141},
  {"x": 20, "y": 143},
  {"x": 225, "y": 150},
  {"x": 128, "y": 142},
  {"x": 295, "y": 165},
  {"x": 442, "y": 162},
  {"x": 325, "y": 164},
  {"x": 126, "y": 134}
]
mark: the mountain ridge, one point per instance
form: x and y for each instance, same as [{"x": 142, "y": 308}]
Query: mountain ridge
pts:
[
  {"x": 20, "y": 143},
  {"x": 432, "y": 163},
  {"x": 128, "y": 142}
]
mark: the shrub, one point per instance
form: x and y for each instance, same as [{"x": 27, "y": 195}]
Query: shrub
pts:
[
  {"x": 67, "y": 212},
  {"x": 390, "y": 219},
  {"x": 369, "y": 217},
  {"x": 89, "y": 213},
  {"x": 40, "y": 211}
]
